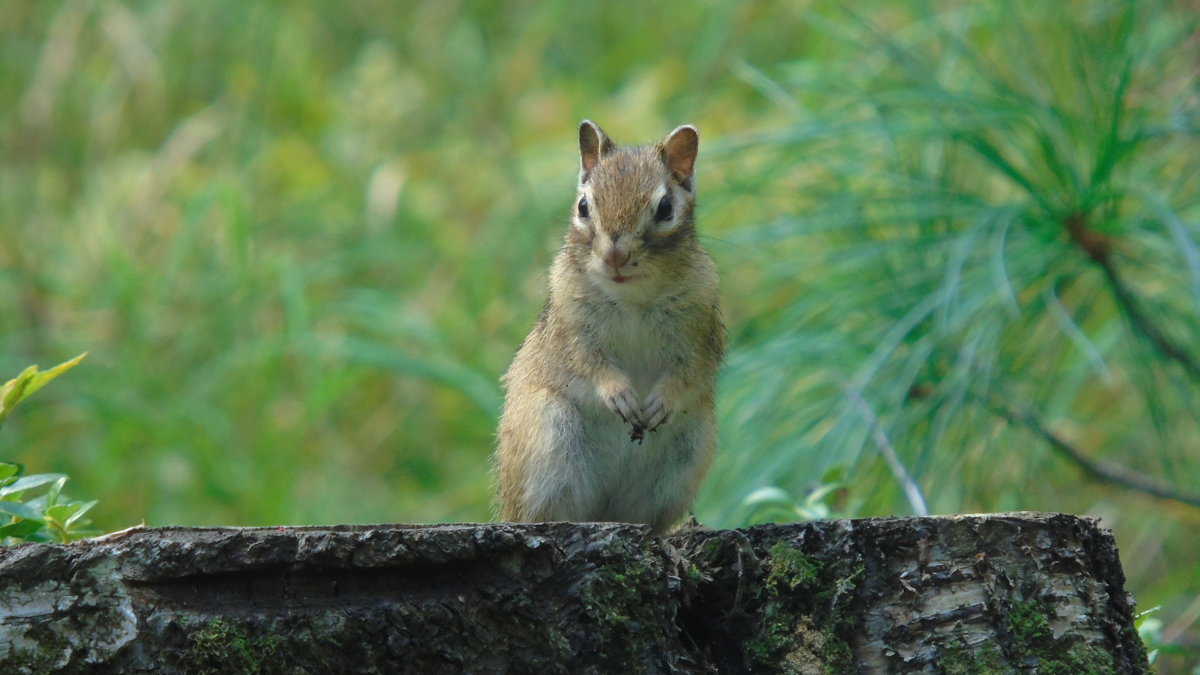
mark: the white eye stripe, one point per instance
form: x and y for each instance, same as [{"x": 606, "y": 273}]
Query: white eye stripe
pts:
[{"x": 666, "y": 226}]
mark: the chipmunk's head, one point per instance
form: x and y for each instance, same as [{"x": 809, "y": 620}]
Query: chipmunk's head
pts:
[{"x": 632, "y": 223}]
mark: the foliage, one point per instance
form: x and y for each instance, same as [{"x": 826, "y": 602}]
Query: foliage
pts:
[
  {"x": 304, "y": 240},
  {"x": 962, "y": 194},
  {"x": 49, "y": 516},
  {"x": 27, "y": 383},
  {"x": 771, "y": 504}
]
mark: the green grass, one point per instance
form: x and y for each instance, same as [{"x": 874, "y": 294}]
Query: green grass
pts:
[{"x": 302, "y": 241}]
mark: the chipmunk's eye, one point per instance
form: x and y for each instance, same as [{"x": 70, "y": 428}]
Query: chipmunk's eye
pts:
[
  {"x": 583, "y": 207},
  {"x": 664, "y": 210}
]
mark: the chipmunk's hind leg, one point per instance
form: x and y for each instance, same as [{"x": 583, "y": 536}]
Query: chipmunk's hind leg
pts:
[
  {"x": 555, "y": 480},
  {"x": 692, "y": 453}
]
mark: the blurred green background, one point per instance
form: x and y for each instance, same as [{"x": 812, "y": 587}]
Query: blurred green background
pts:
[{"x": 960, "y": 244}]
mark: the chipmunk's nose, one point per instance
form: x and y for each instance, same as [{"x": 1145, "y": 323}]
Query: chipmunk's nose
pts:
[{"x": 616, "y": 258}]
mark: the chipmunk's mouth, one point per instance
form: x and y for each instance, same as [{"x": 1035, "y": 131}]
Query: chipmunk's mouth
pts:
[{"x": 620, "y": 278}]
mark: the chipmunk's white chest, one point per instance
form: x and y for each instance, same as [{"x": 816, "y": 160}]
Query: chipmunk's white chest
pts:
[{"x": 638, "y": 340}]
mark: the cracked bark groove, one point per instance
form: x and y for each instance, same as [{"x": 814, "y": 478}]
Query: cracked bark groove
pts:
[{"x": 1000, "y": 593}]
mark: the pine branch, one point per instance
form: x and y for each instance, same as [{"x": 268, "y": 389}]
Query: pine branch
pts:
[
  {"x": 1100, "y": 470},
  {"x": 1143, "y": 325},
  {"x": 1098, "y": 247}
]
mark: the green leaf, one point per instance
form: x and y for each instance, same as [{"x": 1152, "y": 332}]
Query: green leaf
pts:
[
  {"x": 22, "y": 529},
  {"x": 19, "y": 510},
  {"x": 29, "y": 381},
  {"x": 8, "y": 471},
  {"x": 54, "y": 491},
  {"x": 83, "y": 507},
  {"x": 818, "y": 495},
  {"x": 40, "y": 379},
  {"x": 61, "y": 512},
  {"x": 768, "y": 495},
  {"x": 29, "y": 482},
  {"x": 13, "y": 391}
]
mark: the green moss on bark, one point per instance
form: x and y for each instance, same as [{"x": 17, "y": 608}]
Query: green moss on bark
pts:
[
  {"x": 802, "y": 621},
  {"x": 1033, "y": 641},
  {"x": 985, "y": 659},
  {"x": 222, "y": 646},
  {"x": 627, "y": 599}
]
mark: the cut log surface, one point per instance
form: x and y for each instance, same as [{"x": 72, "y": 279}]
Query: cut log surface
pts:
[{"x": 999, "y": 593}]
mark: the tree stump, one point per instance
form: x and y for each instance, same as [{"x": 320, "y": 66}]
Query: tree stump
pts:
[{"x": 1003, "y": 593}]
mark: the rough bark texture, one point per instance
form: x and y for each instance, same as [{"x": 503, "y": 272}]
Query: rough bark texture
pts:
[{"x": 1019, "y": 593}]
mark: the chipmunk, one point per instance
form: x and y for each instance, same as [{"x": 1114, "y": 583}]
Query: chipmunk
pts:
[{"x": 608, "y": 412}]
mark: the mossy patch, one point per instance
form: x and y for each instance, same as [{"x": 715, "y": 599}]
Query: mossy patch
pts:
[
  {"x": 1030, "y": 627},
  {"x": 1033, "y": 641},
  {"x": 626, "y": 598},
  {"x": 802, "y": 621},
  {"x": 222, "y": 646},
  {"x": 791, "y": 569},
  {"x": 1079, "y": 660},
  {"x": 984, "y": 659}
]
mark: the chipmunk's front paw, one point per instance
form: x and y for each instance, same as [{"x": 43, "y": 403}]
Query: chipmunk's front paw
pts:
[
  {"x": 657, "y": 410},
  {"x": 620, "y": 398}
]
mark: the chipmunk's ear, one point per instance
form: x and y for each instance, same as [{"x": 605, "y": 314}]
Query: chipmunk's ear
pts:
[
  {"x": 679, "y": 150},
  {"x": 593, "y": 144}
]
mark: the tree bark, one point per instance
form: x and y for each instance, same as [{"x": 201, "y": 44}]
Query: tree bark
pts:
[{"x": 1003, "y": 593}]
